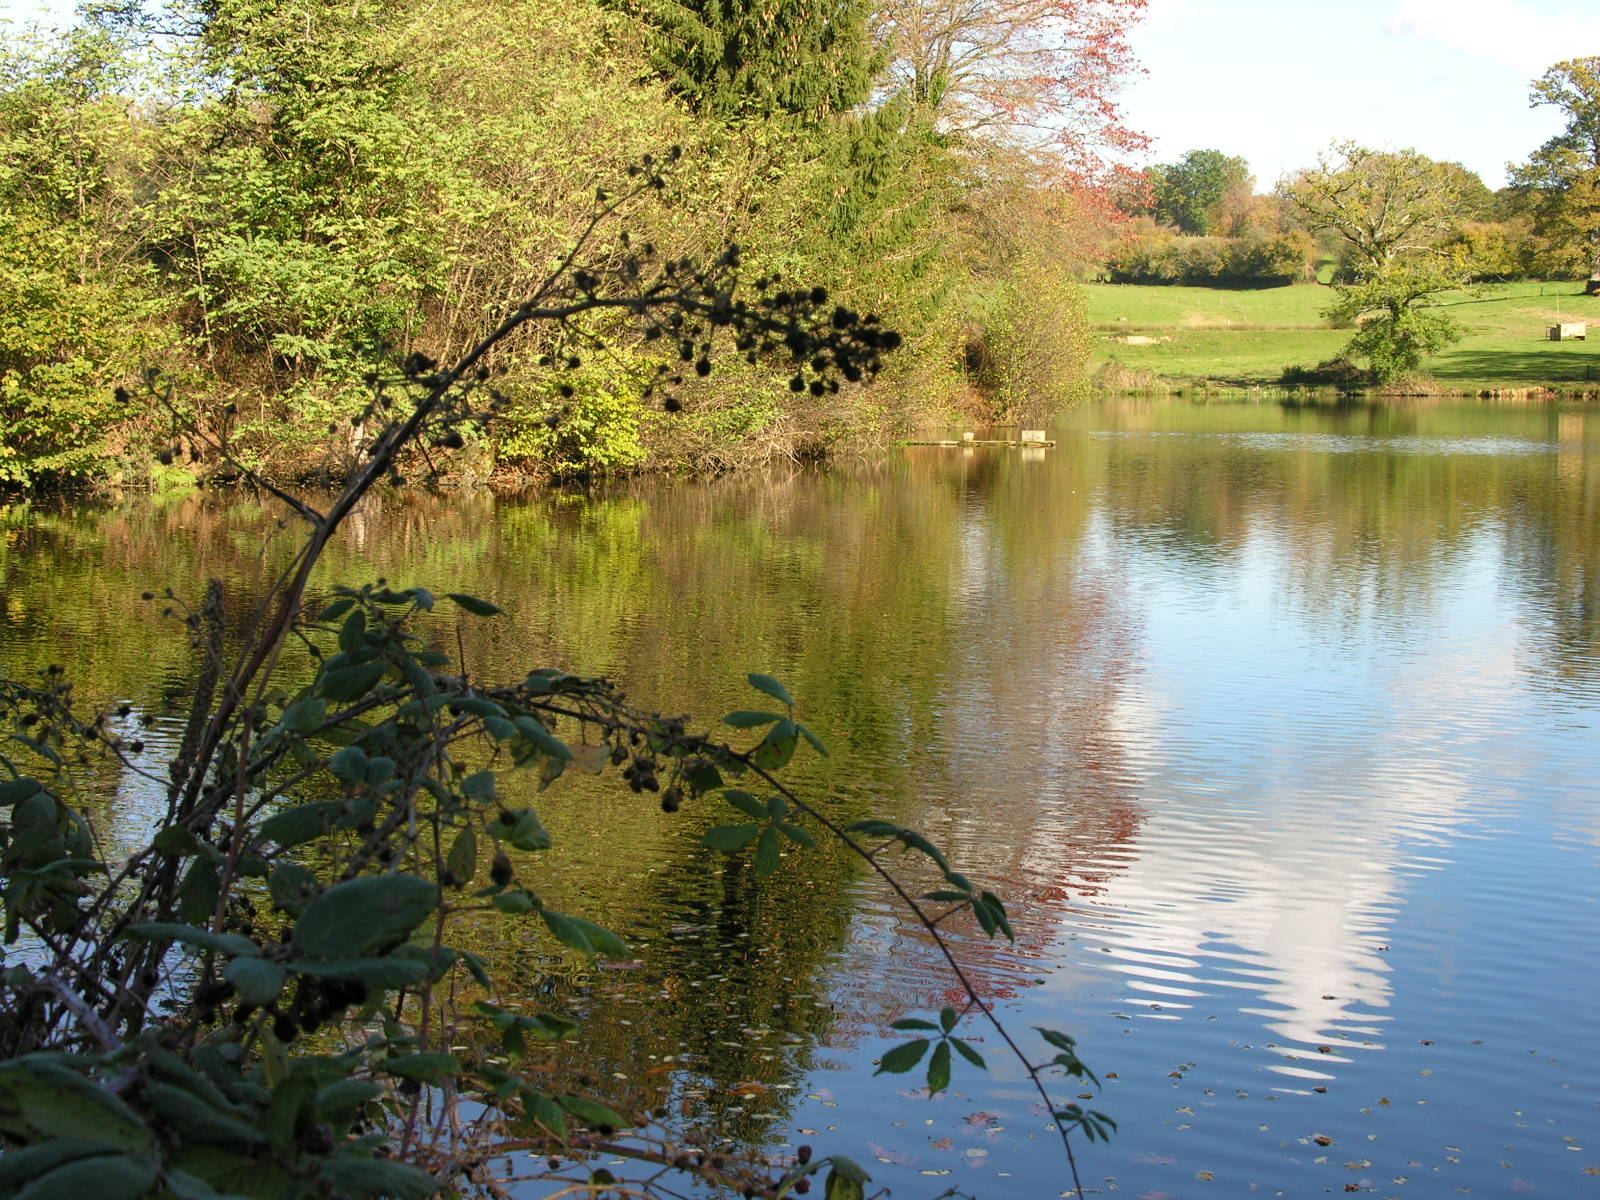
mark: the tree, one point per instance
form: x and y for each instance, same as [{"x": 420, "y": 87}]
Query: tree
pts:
[
  {"x": 1561, "y": 180},
  {"x": 1191, "y": 192},
  {"x": 1040, "y": 73},
  {"x": 732, "y": 59},
  {"x": 1394, "y": 210},
  {"x": 75, "y": 293}
]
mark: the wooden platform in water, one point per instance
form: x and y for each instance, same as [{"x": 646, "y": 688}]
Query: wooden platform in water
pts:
[{"x": 1027, "y": 445}]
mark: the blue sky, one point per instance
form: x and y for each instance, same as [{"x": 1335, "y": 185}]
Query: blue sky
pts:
[{"x": 1276, "y": 80}]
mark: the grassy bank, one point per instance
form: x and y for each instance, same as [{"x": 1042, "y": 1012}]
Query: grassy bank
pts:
[{"x": 1248, "y": 337}]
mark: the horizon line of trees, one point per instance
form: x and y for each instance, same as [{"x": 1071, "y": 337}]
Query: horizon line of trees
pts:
[
  {"x": 271, "y": 201},
  {"x": 1193, "y": 220}
]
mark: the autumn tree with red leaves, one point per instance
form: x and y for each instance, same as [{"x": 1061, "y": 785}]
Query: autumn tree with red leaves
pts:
[{"x": 1040, "y": 75}]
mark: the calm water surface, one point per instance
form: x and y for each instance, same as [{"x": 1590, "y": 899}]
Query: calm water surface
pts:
[{"x": 1275, "y": 725}]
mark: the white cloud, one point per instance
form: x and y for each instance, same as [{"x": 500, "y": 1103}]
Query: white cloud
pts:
[{"x": 1503, "y": 31}]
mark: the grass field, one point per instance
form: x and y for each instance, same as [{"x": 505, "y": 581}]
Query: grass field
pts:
[{"x": 1250, "y": 336}]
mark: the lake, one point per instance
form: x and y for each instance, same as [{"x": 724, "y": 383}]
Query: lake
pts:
[{"x": 1275, "y": 725}]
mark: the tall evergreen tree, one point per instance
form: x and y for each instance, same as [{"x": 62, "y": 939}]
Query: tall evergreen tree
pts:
[{"x": 733, "y": 59}]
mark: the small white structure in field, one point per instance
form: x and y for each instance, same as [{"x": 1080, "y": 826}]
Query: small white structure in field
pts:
[{"x": 1570, "y": 330}]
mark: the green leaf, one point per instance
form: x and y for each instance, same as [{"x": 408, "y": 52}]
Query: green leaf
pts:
[
  {"x": 797, "y": 835},
  {"x": 22, "y": 1163},
  {"x": 948, "y": 1018},
  {"x": 939, "y": 1068},
  {"x": 499, "y": 728},
  {"x": 478, "y": 608},
  {"x": 345, "y": 1098},
  {"x": 946, "y": 897},
  {"x": 348, "y": 684},
  {"x": 966, "y": 1051},
  {"x": 425, "y": 1068},
  {"x": 769, "y": 685},
  {"x": 846, "y": 1181},
  {"x": 54, "y": 1102},
  {"x": 998, "y": 911},
  {"x": 479, "y": 786},
  {"x": 14, "y": 791},
  {"x": 378, "y": 1177},
  {"x": 292, "y": 886},
  {"x": 175, "y": 839},
  {"x": 745, "y": 803},
  {"x": 258, "y": 981},
  {"x": 290, "y": 1099},
  {"x": 198, "y": 893},
  {"x": 303, "y": 823},
  {"x": 190, "y": 935},
  {"x": 545, "y": 1111},
  {"x": 777, "y": 808},
  {"x": 812, "y": 738},
  {"x": 362, "y": 916},
  {"x": 583, "y": 935},
  {"x": 200, "y": 1120},
  {"x": 477, "y": 706},
  {"x": 591, "y": 1113},
  {"x": 349, "y": 764},
  {"x": 774, "y": 755},
  {"x": 529, "y": 832},
  {"x": 337, "y": 609},
  {"x": 353, "y": 633},
  {"x": 304, "y": 716},
  {"x": 903, "y": 1057},
  {"x": 533, "y": 729},
  {"x": 108, "y": 1177},
  {"x": 702, "y": 777},
  {"x": 462, "y": 861},
  {"x": 907, "y": 1024},
  {"x": 873, "y": 827},
  {"x": 515, "y": 901},
  {"x": 746, "y": 719},
  {"x": 769, "y": 851},
  {"x": 369, "y": 972},
  {"x": 730, "y": 838}
]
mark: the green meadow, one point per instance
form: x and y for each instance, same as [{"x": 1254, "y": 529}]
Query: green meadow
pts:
[{"x": 1248, "y": 337}]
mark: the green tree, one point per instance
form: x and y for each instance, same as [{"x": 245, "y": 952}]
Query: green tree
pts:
[
  {"x": 75, "y": 293},
  {"x": 1560, "y": 182},
  {"x": 1191, "y": 192},
  {"x": 731, "y": 59},
  {"x": 1394, "y": 211},
  {"x": 295, "y": 206}
]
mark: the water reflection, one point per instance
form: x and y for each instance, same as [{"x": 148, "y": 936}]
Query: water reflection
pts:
[{"x": 1275, "y": 724}]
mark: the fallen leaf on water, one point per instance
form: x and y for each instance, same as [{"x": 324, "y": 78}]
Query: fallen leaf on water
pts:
[
  {"x": 943, "y": 1144},
  {"x": 883, "y": 1154},
  {"x": 1322, "y": 1139},
  {"x": 1206, "y": 1175}
]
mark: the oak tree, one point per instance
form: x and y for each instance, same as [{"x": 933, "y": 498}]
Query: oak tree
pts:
[
  {"x": 1394, "y": 210},
  {"x": 1561, "y": 179}
]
